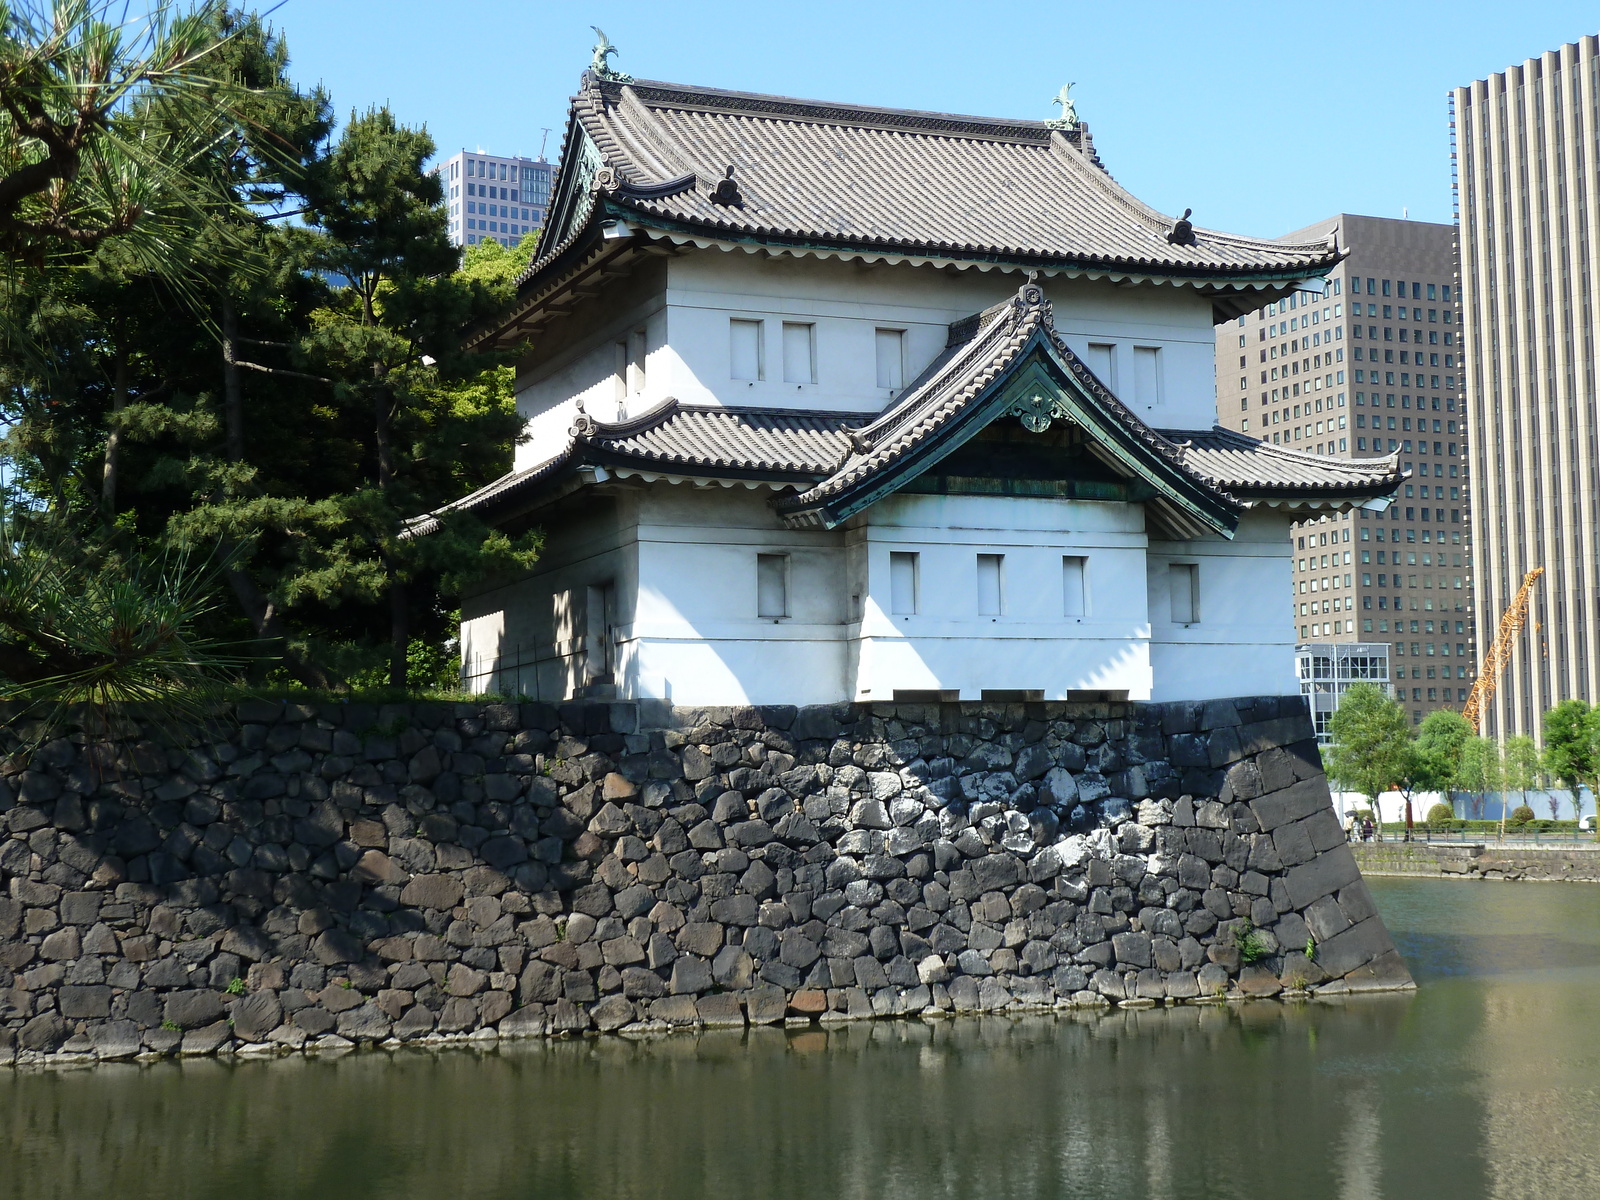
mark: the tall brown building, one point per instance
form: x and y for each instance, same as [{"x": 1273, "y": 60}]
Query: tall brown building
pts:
[{"x": 1367, "y": 367}]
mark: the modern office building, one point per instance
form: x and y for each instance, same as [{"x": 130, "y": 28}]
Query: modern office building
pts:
[
  {"x": 1369, "y": 366},
  {"x": 491, "y": 197},
  {"x": 1527, "y": 146},
  {"x": 1327, "y": 669}
]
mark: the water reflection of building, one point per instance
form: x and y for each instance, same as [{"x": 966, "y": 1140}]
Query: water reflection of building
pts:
[{"x": 1327, "y": 669}]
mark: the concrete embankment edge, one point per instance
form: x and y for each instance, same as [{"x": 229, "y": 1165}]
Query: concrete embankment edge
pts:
[{"x": 1482, "y": 861}]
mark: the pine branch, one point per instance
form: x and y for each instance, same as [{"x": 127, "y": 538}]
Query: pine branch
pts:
[{"x": 250, "y": 366}]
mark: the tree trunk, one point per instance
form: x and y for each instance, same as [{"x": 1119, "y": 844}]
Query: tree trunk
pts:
[
  {"x": 119, "y": 401},
  {"x": 269, "y": 627},
  {"x": 1409, "y": 824},
  {"x": 399, "y": 601},
  {"x": 399, "y": 629}
]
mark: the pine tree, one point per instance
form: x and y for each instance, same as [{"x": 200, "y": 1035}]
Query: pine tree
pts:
[{"x": 391, "y": 337}]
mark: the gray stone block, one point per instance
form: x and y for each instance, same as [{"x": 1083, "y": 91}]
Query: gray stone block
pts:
[
  {"x": 766, "y": 1005},
  {"x": 1355, "y": 901},
  {"x": 1293, "y": 843},
  {"x": 1354, "y": 947},
  {"x": 206, "y": 1040},
  {"x": 1295, "y": 801},
  {"x": 1326, "y": 874},
  {"x": 1132, "y": 949},
  {"x": 115, "y": 1039},
  {"x": 612, "y": 1013},
  {"x": 84, "y": 1001}
]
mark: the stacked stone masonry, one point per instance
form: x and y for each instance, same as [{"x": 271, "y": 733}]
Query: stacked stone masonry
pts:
[
  {"x": 1486, "y": 860},
  {"x": 316, "y": 876}
]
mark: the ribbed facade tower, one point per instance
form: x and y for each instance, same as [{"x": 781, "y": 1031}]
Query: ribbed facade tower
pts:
[{"x": 1527, "y": 174}]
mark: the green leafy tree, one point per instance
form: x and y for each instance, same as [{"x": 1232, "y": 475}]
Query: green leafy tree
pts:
[
  {"x": 1439, "y": 741},
  {"x": 1522, "y": 767},
  {"x": 1481, "y": 770},
  {"x": 1571, "y": 753},
  {"x": 1373, "y": 749}
]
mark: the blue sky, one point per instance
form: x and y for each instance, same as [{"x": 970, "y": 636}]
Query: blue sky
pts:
[{"x": 1262, "y": 117}]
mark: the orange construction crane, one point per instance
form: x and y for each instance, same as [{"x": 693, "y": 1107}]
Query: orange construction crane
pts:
[{"x": 1498, "y": 655}]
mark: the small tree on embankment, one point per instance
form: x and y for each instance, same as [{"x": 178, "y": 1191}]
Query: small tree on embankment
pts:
[
  {"x": 1373, "y": 750},
  {"x": 1572, "y": 748}
]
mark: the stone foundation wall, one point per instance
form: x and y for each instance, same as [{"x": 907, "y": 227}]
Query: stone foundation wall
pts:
[
  {"x": 1539, "y": 864},
  {"x": 351, "y": 874}
]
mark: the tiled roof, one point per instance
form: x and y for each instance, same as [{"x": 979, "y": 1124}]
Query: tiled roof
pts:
[
  {"x": 1248, "y": 468},
  {"x": 1009, "y": 361},
  {"x": 759, "y": 441},
  {"x": 927, "y": 184},
  {"x": 839, "y": 463},
  {"x": 774, "y": 445}
]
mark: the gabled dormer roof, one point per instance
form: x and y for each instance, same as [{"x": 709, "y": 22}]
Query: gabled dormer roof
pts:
[
  {"x": 650, "y": 160},
  {"x": 1009, "y": 362},
  {"x": 1004, "y": 364}
]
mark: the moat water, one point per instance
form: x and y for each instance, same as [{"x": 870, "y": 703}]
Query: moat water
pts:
[{"x": 1485, "y": 1082}]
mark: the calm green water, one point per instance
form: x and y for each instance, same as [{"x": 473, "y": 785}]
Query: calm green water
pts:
[{"x": 1486, "y": 1082}]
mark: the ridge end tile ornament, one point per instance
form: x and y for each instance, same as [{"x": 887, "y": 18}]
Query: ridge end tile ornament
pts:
[
  {"x": 1182, "y": 232},
  {"x": 1068, "y": 120},
  {"x": 727, "y": 191},
  {"x": 601, "y": 65},
  {"x": 583, "y": 423}
]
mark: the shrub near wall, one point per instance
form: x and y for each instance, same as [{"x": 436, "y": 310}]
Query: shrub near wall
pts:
[{"x": 347, "y": 874}]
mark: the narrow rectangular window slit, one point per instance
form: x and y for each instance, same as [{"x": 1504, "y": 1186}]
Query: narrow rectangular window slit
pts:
[
  {"x": 991, "y": 596},
  {"x": 891, "y": 358},
  {"x": 1184, "y": 582},
  {"x": 903, "y": 583},
  {"x": 772, "y": 585},
  {"x": 745, "y": 349},
  {"x": 1102, "y": 360},
  {"x": 1075, "y": 585},
  {"x": 799, "y": 353},
  {"x": 1147, "y": 375}
]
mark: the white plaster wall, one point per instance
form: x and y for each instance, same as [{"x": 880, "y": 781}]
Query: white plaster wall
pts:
[
  {"x": 846, "y": 302},
  {"x": 582, "y": 370},
  {"x": 1243, "y": 643},
  {"x": 696, "y": 634},
  {"x": 1031, "y": 644},
  {"x": 684, "y": 309},
  {"x": 683, "y": 561},
  {"x": 528, "y": 634}
]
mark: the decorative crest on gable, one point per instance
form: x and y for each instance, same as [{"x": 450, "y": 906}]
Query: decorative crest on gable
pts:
[{"x": 1036, "y": 412}]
